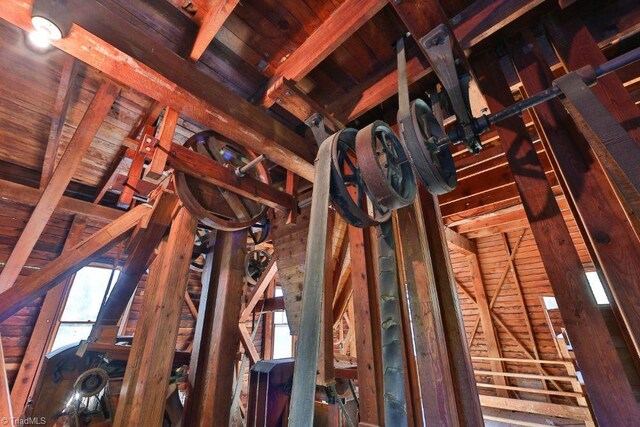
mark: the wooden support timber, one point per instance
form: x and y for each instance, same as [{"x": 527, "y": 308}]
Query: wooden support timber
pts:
[
  {"x": 209, "y": 402},
  {"x": 367, "y": 325},
  {"x": 67, "y": 264},
  {"x": 167, "y": 130},
  {"x": 611, "y": 235},
  {"x": 144, "y": 388},
  {"x": 6, "y": 411},
  {"x": 219, "y": 11},
  {"x": 106, "y": 41},
  {"x": 608, "y": 387},
  {"x": 44, "y": 331},
  {"x": 82, "y": 138},
  {"x": 63, "y": 97},
  {"x": 146, "y": 241}
]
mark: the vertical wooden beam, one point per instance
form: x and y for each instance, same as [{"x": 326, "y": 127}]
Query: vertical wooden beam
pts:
[
  {"x": 326, "y": 369},
  {"x": 468, "y": 405},
  {"x": 435, "y": 389},
  {"x": 167, "y": 131},
  {"x": 80, "y": 142},
  {"x": 609, "y": 389},
  {"x": 68, "y": 76},
  {"x": 267, "y": 326},
  {"x": 612, "y": 237},
  {"x": 209, "y": 402},
  {"x": 367, "y": 325},
  {"x": 45, "y": 329},
  {"x": 6, "y": 412},
  {"x": 146, "y": 379},
  {"x": 490, "y": 335}
]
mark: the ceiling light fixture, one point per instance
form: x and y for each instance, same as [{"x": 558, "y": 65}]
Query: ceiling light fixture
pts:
[{"x": 51, "y": 21}]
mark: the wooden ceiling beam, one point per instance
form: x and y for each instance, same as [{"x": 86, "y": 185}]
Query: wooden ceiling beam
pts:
[
  {"x": 460, "y": 243},
  {"x": 219, "y": 11},
  {"x": 342, "y": 24},
  {"x": 69, "y": 262},
  {"x": 19, "y": 193},
  {"x": 61, "y": 105},
  {"x": 107, "y": 42},
  {"x": 469, "y": 27},
  {"x": 194, "y": 164},
  {"x": 78, "y": 146}
]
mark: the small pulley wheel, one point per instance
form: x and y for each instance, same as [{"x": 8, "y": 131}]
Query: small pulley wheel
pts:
[
  {"x": 434, "y": 165},
  {"x": 213, "y": 206},
  {"x": 91, "y": 383},
  {"x": 256, "y": 264},
  {"x": 350, "y": 196},
  {"x": 201, "y": 246},
  {"x": 385, "y": 166},
  {"x": 260, "y": 231}
]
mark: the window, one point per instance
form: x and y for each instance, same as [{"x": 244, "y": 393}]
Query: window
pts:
[
  {"x": 282, "y": 340},
  {"x": 87, "y": 293},
  {"x": 597, "y": 288}
]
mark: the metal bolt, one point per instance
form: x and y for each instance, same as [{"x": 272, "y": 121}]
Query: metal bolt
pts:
[
  {"x": 287, "y": 92},
  {"x": 279, "y": 100},
  {"x": 147, "y": 148},
  {"x": 148, "y": 140}
]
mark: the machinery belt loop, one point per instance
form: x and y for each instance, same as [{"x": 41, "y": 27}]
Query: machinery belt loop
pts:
[
  {"x": 306, "y": 360},
  {"x": 403, "y": 85}
]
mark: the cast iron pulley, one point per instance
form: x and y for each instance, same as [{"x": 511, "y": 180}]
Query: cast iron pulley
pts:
[
  {"x": 260, "y": 231},
  {"x": 350, "y": 196},
  {"x": 420, "y": 132},
  {"x": 256, "y": 264},
  {"x": 213, "y": 206},
  {"x": 91, "y": 383},
  {"x": 385, "y": 166}
]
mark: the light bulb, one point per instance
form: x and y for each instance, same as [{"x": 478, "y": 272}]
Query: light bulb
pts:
[
  {"x": 39, "y": 39},
  {"x": 46, "y": 27}
]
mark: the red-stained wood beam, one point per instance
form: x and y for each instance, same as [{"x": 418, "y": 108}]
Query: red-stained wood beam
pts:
[
  {"x": 68, "y": 76},
  {"x": 44, "y": 330},
  {"x": 146, "y": 379},
  {"x": 342, "y": 24},
  {"x": 127, "y": 54},
  {"x": 218, "y": 12},
  {"x": 167, "y": 131},
  {"x": 606, "y": 382},
  {"x": 80, "y": 142},
  {"x": 209, "y": 402},
  {"x": 605, "y": 222},
  {"x": 194, "y": 164},
  {"x": 40, "y": 282}
]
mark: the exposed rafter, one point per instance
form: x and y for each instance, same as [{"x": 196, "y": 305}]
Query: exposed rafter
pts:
[{"x": 219, "y": 11}]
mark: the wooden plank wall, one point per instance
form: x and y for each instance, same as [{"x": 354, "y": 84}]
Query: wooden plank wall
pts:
[{"x": 534, "y": 282}]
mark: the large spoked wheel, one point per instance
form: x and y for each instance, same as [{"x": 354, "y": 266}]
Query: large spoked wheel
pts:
[
  {"x": 256, "y": 264},
  {"x": 214, "y": 206},
  {"x": 385, "y": 166},
  {"x": 434, "y": 165},
  {"x": 349, "y": 193}
]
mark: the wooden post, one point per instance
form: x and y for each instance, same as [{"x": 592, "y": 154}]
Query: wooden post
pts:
[
  {"x": 605, "y": 223},
  {"x": 326, "y": 368},
  {"x": 468, "y": 405},
  {"x": 167, "y": 131},
  {"x": 366, "y": 322},
  {"x": 144, "y": 388},
  {"x": 80, "y": 142},
  {"x": 609, "y": 390},
  {"x": 211, "y": 379},
  {"x": 490, "y": 335},
  {"x": 45, "y": 328}
]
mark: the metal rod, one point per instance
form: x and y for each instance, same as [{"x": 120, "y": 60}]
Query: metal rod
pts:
[
  {"x": 618, "y": 62},
  {"x": 242, "y": 171}
]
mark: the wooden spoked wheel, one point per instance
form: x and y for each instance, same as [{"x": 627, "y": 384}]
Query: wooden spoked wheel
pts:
[{"x": 212, "y": 205}]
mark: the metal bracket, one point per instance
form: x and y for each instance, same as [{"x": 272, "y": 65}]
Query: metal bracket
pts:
[
  {"x": 315, "y": 122},
  {"x": 438, "y": 49}
]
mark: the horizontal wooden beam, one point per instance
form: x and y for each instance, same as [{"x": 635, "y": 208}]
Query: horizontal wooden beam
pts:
[
  {"x": 542, "y": 408},
  {"x": 39, "y": 282},
  {"x": 194, "y": 164},
  {"x": 460, "y": 243},
  {"x": 19, "y": 193},
  {"x": 107, "y": 42}
]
